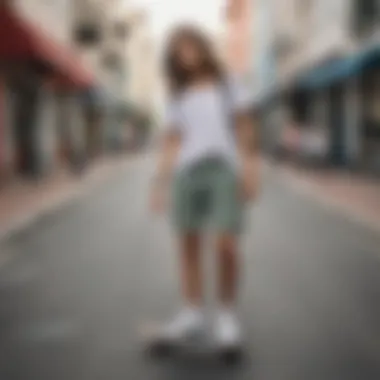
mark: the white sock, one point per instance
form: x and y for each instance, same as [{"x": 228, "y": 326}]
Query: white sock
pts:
[
  {"x": 227, "y": 324},
  {"x": 187, "y": 319},
  {"x": 191, "y": 312}
]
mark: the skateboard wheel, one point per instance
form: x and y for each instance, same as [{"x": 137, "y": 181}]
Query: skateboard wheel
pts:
[
  {"x": 160, "y": 349},
  {"x": 231, "y": 356}
]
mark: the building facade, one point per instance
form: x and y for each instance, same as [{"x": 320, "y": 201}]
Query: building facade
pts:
[
  {"x": 70, "y": 72},
  {"x": 238, "y": 20},
  {"x": 52, "y": 17},
  {"x": 37, "y": 63},
  {"x": 143, "y": 65},
  {"x": 327, "y": 62},
  {"x": 116, "y": 41},
  {"x": 263, "y": 68}
]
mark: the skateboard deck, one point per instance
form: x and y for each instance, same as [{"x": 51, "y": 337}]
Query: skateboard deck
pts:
[{"x": 201, "y": 347}]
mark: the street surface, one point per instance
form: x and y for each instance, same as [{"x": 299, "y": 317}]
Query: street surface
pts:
[{"x": 78, "y": 285}]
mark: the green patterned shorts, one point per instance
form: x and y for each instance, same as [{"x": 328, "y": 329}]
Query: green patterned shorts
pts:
[{"x": 207, "y": 194}]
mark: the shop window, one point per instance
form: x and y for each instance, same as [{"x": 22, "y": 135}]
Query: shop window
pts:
[
  {"x": 366, "y": 16},
  {"x": 371, "y": 104},
  {"x": 87, "y": 34}
]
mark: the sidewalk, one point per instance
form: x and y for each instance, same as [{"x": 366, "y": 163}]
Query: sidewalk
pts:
[
  {"x": 358, "y": 198},
  {"x": 24, "y": 201}
]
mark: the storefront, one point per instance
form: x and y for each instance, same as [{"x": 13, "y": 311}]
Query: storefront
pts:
[
  {"x": 6, "y": 143},
  {"x": 34, "y": 67},
  {"x": 94, "y": 107},
  {"x": 268, "y": 108},
  {"x": 370, "y": 157},
  {"x": 2, "y": 130},
  {"x": 349, "y": 86}
]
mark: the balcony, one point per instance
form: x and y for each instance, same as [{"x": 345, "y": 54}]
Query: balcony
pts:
[
  {"x": 365, "y": 18},
  {"x": 87, "y": 21}
]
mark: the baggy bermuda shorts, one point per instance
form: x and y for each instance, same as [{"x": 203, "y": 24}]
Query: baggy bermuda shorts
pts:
[{"x": 207, "y": 194}]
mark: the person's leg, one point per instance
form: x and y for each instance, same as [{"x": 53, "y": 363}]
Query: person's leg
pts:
[
  {"x": 228, "y": 268},
  {"x": 191, "y": 270},
  {"x": 227, "y": 327},
  {"x": 190, "y": 318},
  {"x": 227, "y": 220}
]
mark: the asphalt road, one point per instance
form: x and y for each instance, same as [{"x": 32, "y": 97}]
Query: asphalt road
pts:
[{"x": 82, "y": 282}]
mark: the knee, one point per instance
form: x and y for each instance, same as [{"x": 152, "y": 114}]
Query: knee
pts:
[
  {"x": 191, "y": 246},
  {"x": 227, "y": 248}
]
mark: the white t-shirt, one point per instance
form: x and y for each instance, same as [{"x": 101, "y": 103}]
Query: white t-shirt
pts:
[{"x": 201, "y": 117}]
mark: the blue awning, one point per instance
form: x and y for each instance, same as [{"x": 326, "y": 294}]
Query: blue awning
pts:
[
  {"x": 340, "y": 69},
  {"x": 371, "y": 57}
]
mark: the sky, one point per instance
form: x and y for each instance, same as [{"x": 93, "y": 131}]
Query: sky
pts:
[{"x": 166, "y": 13}]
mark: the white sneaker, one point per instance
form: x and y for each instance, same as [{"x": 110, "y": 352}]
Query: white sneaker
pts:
[
  {"x": 227, "y": 330},
  {"x": 189, "y": 322}
]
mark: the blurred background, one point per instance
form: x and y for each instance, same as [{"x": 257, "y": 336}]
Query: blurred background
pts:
[
  {"x": 81, "y": 99},
  {"x": 318, "y": 81},
  {"x": 77, "y": 81}
]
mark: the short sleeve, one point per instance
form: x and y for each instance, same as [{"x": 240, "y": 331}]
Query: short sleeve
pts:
[
  {"x": 240, "y": 94},
  {"x": 171, "y": 119}
]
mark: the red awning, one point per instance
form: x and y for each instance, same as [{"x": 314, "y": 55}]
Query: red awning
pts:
[{"x": 20, "y": 40}]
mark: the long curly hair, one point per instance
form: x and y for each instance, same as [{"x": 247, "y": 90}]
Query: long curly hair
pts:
[{"x": 178, "y": 76}]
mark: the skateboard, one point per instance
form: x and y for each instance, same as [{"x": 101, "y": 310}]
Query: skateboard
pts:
[{"x": 197, "y": 347}]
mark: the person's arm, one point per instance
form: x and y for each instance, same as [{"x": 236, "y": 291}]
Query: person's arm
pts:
[
  {"x": 245, "y": 135},
  {"x": 248, "y": 153},
  {"x": 169, "y": 143},
  {"x": 167, "y": 155}
]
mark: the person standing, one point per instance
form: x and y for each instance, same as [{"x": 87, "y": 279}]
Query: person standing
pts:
[{"x": 208, "y": 163}]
